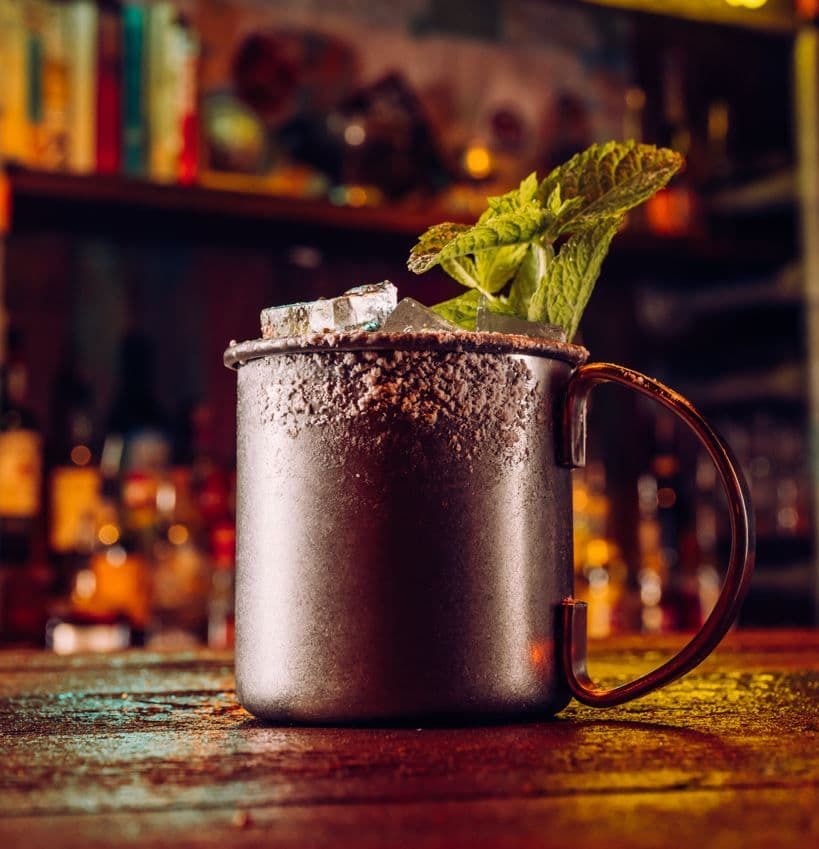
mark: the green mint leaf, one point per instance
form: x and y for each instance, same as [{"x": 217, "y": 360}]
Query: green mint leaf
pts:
[
  {"x": 530, "y": 272},
  {"x": 425, "y": 253},
  {"x": 499, "y": 305},
  {"x": 508, "y": 228},
  {"x": 563, "y": 293},
  {"x": 561, "y": 211},
  {"x": 511, "y": 245},
  {"x": 523, "y": 195},
  {"x": 609, "y": 179},
  {"x": 463, "y": 270},
  {"x": 462, "y": 310},
  {"x": 496, "y": 268}
]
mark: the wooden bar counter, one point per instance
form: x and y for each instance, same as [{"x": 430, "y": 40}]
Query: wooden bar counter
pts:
[{"x": 145, "y": 749}]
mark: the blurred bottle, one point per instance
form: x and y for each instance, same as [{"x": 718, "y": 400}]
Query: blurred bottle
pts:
[
  {"x": 674, "y": 211},
  {"x": 210, "y": 485},
  {"x": 708, "y": 508},
  {"x": 109, "y": 598},
  {"x": 601, "y": 576},
  {"x": 23, "y": 584},
  {"x": 21, "y": 459},
  {"x": 658, "y": 532},
  {"x": 720, "y": 166},
  {"x": 180, "y": 576},
  {"x": 221, "y": 600},
  {"x": 136, "y": 414},
  {"x": 74, "y": 479},
  {"x": 653, "y": 572}
]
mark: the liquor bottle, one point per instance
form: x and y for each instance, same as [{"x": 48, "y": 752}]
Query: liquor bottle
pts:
[
  {"x": 668, "y": 560},
  {"x": 22, "y": 590},
  {"x": 209, "y": 480},
  {"x": 180, "y": 577},
  {"x": 136, "y": 414},
  {"x": 114, "y": 591},
  {"x": 20, "y": 459},
  {"x": 221, "y": 600},
  {"x": 674, "y": 210},
  {"x": 74, "y": 481},
  {"x": 601, "y": 576}
]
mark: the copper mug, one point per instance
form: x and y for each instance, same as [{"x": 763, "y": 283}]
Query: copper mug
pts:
[{"x": 404, "y": 528}]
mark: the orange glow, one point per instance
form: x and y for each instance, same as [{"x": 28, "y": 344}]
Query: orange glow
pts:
[
  {"x": 356, "y": 196},
  {"x": 477, "y": 161},
  {"x": 597, "y": 552},
  {"x": 538, "y": 653},
  {"x": 746, "y": 4},
  {"x": 108, "y": 534},
  {"x": 665, "y": 465},
  {"x": 581, "y": 499},
  {"x": 808, "y": 8},
  {"x": 666, "y": 497},
  {"x": 178, "y": 534},
  {"x": 80, "y": 455},
  {"x": 671, "y": 211}
]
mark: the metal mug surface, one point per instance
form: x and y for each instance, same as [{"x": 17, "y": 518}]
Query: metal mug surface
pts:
[{"x": 404, "y": 529}]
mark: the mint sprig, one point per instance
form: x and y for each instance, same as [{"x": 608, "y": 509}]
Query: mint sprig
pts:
[{"x": 536, "y": 251}]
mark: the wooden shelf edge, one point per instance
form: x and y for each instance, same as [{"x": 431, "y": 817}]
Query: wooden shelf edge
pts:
[
  {"x": 198, "y": 200},
  {"x": 203, "y": 202}
]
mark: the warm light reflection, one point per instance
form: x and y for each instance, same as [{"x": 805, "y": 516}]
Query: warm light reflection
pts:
[
  {"x": 80, "y": 455},
  {"x": 178, "y": 534},
  {"x": 597, "y": 552},
  {"x": 746, "y": 4},
  {"x": 356, "y": 195},
  {"x": 477, "y": 161},
  {"x": 538, "y": 653},
  {"x": 116, "y": 555},
  {"x": 354, "y": 134},
  {"x": 85, "y": 584},
  {"x": 666, "y": 497},
  {"x": 108, "y": 534}
]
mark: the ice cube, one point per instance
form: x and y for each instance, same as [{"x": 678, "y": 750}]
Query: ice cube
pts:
[
  {"x": 361, "y": 308},
  {"x": 494, "y": 322},
  {"x": 411, "y": 316}
]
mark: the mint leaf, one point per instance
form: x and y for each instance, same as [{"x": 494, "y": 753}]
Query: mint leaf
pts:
[
  {"x": 462, "y": 310},
  {"x": 563, "y": 293},
  {"x": 509, "y": 256},
  {"x": 516, "y": 199},
  {"x": 431, "y": 243},
  {"x": 609, "y": 179},
  {"x": 498, "y": 306},
  {"x": 531, "y": 271},
  {"x": 508, "y": 228},
  {"x": 496, "y": 268},
  {"x": 463, "y": 270}
]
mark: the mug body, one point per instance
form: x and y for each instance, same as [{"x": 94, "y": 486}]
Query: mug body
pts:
[{"x": 404, "y": 534}]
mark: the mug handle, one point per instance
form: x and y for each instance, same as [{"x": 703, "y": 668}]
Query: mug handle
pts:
[{"x": 572, "y": 447}]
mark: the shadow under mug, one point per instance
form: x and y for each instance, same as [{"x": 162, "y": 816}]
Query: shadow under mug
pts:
[{"x": 404, "y": 528}]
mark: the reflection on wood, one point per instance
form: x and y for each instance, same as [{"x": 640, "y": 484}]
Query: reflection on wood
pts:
[{"x": 142, "y": 748}]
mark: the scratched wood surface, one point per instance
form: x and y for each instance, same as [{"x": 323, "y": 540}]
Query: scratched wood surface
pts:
[{"x": 144, "y": 749}]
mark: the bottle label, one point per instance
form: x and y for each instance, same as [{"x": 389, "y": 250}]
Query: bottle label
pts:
[
  {"x": 20, "y": 467},
  {"x": 74, "y": 495}
]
